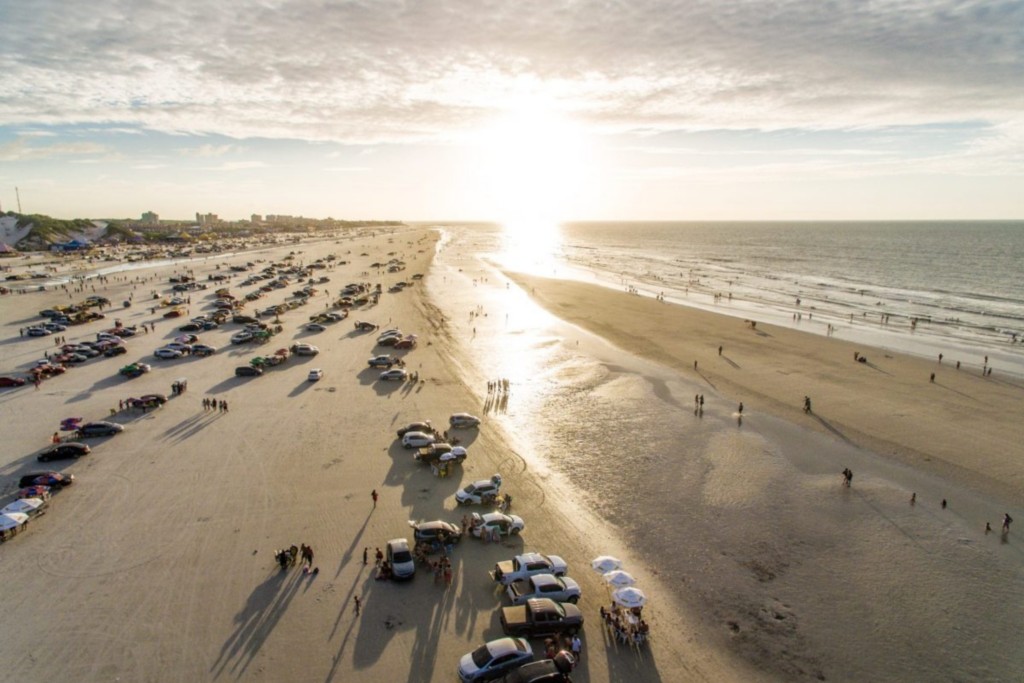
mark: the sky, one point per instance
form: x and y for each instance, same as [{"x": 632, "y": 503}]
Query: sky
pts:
[{"x": 514, "y": 111}]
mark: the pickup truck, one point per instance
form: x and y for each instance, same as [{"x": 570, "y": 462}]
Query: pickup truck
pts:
[
  {"x": 522, "y": 567},
  {"x": 433, "y": 453},
  {"x": 541, "y": 617},
  {"x": 550, "y": 586}
]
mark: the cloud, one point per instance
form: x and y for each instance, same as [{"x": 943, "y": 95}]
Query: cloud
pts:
[
  {"x": 370, "y": 71},
  {"x": 236, "y": 166},
  {"x": 19, "y": 149}
]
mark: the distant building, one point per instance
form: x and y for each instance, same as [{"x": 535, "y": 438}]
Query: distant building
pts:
[
  {"x": 151, "y": 218},
  {"x": 255, "y": 219}
]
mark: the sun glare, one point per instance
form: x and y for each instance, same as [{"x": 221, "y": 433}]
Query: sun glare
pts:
[{"x": 532, "y": 167}]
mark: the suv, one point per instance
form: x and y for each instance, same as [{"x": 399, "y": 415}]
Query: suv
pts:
[{"x": 403, "y": 566}]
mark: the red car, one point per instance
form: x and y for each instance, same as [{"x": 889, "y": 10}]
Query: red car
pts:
[
  {"x": 45, "y": 371},
  {"x": 12, "y": 381}
]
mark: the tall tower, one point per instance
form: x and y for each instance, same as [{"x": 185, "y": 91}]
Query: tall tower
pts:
[{"x": 18, "y": 195}]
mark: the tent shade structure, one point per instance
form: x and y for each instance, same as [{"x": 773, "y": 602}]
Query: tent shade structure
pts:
[
  {"x": 619, "y": 579},
  {"x": 33, "y": 507},
  {"x": 630, "y": 597},
  {"x": 605, "y": 564},
  {"x": 11, "y": 523}
]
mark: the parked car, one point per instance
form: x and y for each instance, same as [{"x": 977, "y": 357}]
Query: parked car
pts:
[
  {"x": 184, "y": 349},
  {"x": 315, "y": 375},
  {"x": 112, "y": 351},
  {"x": 388, "y": 341},
  {"x": 463, "y": 421},
  {"x": 304, "y": 350},
  {"x": 524, "y": 566},
  {"x": 37, "y": 332},
  {"x": 403, "y": 565},
  {"x": 405, "y": 344},
  {"x": 414, "y": 427},
  {"x": 11, "y": 381},
  {"x": 494, "y": 659},
  {"x": 248, "y": 371},
  {"x": 505, "y": 525},
  {"x": 54, "y": 327},
  {"x": 53, "y": 480},
  {"x": 316, "y": 327},
  {"x": 148, "y": 401},
  {"x": 541, "y": 617},
  {"x": 241, "y": 337},
  {"x": 167, "y": 353},
  {"x": 559, "y": 589},
  {"x": 484, "y": 491},
  {"x": 436, "y": 531},
  {"x": 381, "y": 362},
  {"x": 417, "y": 440},
  {"x": 203, "y": 350},
  {"x": 99, "y": 429},
  {"x": 555, "y": 670},
  {"x": 394, "y": 375},
  {"x": 64, "y": 451}
]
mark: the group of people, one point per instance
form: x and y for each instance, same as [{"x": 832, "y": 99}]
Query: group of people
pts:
[
  {"x": 498, "y": 386},
  {"x": 214, "y": 404},
  {"x": 289, "y": 557},
  {"x": 627, "y": 625}
]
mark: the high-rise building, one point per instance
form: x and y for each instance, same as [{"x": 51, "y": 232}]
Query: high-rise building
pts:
[
  {"x": 255, "y": 218},
  {"x": 151, "y": 218}
]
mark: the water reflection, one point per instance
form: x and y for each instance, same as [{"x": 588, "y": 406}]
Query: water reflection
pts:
[{"x": 531, "y": 246}]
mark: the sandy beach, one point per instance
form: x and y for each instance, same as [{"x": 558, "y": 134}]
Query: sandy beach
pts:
[{"x": 157, "y": 565}]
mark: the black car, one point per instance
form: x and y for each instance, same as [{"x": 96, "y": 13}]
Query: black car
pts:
[
  {"x": 115, "y": 351},
  {"x": 547, "y": 671},
  {"x": 415, "y": 427},
  {"x": 51, "y": 479},
  {"x": 436, "y": 531},
  {"x": 191, "y": 327},
  {"x": 64, "y": 451},
  {"x": 99, "y": 429},
  {"x": 248, "y": 371}
]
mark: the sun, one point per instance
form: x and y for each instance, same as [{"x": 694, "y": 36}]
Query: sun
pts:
[{"x": 532, "y": 166}]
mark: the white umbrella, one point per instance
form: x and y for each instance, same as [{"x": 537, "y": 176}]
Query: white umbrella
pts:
[
  {"x": 619, "y": 578},
  {"x": 12, "y": 520},
  {"x": 24, "y": 506},
  {"x": 630, "y": 597},
  {"x": 605, "y": 563}
]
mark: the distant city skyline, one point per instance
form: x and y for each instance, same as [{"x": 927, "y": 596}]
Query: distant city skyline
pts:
[{"x": 541, "y": 111}]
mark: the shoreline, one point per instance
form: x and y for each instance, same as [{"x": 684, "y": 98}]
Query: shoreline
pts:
[{"x": 966, "y": 431}]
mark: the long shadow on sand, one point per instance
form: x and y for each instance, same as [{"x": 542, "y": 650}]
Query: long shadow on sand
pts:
[
  {"x": 827, "y": 425},
  {"x": 256, "y": 620},
  {"x": 625, "y": 662}
]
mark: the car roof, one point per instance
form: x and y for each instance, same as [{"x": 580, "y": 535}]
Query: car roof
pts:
[
  {"x": 492, "y": 516},
  {"x": 398, "y": 544},
  {"x": 545, "y": 580},
  {"x": 504, "y": 646},
  {"x": 436, "y": 524}
]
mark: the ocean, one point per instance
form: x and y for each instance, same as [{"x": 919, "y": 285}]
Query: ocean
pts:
[{"x": 929, "y": 287}]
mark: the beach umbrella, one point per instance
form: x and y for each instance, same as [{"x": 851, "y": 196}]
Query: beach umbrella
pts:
[
  {"x": 25, "y": 506},
  {"x": 605, "y": 563},
  {"x": 630, "y": 597},
  {"x": 12, "y": 520},
  {"x": 37, "y": 491},
  {"x": 619, "y": 579}
]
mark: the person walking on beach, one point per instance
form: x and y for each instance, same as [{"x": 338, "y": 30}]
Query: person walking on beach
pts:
[
  {"x": 577, "y": 646},
  {"x": 358, "y": 603},
  {"x": 943, "y": 503},
  {"x": 702, "y": 402},
  {"x": 373, "y": 494},
  {"x": 807, "y": 404},
  {"x": 847, "y": 477},
  {"x": 379, "y": 557},
  {"x": 1007, "y": 519},
  {"x": 741, "y": 408},
  {"x": 933, "y": 377},
  {"x": 719, "y": 350},
  {"x": 913, "y": 498},
  {"x": 365, "y": 558}
]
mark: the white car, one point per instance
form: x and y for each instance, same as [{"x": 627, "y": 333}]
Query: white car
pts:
[
  {"x": 305, "y": 350},
  {"x": 417, "y": 440},
  {"x": 37, "y": 332},
  {"x": 559, "y": 589},
  {"x": 524, "y": 566},
  {"x": 484, "y": 491},
  {"x": 394, "y": 375},
  {"x": 505, "y": 525},
  {"x": 463, "y": 421},
  {"x": 185, "y": 349},
  {"x": 315, "y": 327},
  {"x": 241, "y": 337},
  {"x": 403, "y": 565},
  {"x": 167, "y": 354},
  {"x": 315, "y": 375},
  {"x": 390, "y": 333},
  {"x": 54, "y": 327},
  {"x": 495, "y": 659}
]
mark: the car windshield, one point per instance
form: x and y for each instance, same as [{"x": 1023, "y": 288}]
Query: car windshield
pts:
[
  {"x": 403, "y": 556},
  {"x": 481, "y": 656},
  {"x": 469, "y": 489}
]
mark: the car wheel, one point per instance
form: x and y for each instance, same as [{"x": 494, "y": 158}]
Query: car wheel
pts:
[
  {"x": 572, "y": 631},
  {"x": 574, "y": 599},
  {"x": 407, "y": 447},
  {"x": 513, "y": 532},
  {"x": 44, "y": 458}
]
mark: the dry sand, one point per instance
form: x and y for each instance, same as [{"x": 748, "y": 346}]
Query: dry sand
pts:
[{"x": 157, "y": 565}]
